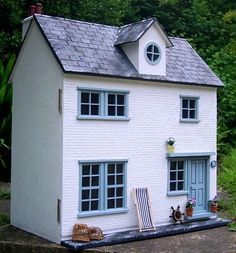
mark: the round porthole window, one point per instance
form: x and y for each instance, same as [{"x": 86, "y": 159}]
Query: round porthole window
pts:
[{"x": 152, "y": 53}]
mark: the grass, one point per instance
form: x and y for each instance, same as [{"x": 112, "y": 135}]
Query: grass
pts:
[
  {"x": 4, "y": 219},
  {"x": 5, "y": 194},
  {"x": 227, "y": 181}
]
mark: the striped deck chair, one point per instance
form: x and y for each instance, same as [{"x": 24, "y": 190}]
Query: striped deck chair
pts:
[{"x": 142, "y": 202}]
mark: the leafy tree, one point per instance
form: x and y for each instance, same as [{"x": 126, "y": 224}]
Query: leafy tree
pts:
[
  {"x": 5, "y": 117},
  {"x": 112, "y": 12},
  {"x": 209, "y": 25}
]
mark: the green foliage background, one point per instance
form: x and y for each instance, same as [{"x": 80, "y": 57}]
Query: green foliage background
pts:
[{"x": 209, "y": 25}]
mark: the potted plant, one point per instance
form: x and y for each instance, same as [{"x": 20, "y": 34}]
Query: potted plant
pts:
[
  {"x": 189, "y": 207},
  {"x": 213, "y": 204},
  {"x": 170, "y": 145}
]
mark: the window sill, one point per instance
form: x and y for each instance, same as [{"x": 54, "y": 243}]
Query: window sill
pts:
[
  {"x": 177, "y": 193},
  {"x": 189, "y": 120},
  {"x": 107, "y": 212},
  {"x": 103, "y": 118}
]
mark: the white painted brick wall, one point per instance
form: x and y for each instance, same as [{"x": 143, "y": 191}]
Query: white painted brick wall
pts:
[
  {"x": 154, "y": 109},
  {"x": 36, "y": 173}
]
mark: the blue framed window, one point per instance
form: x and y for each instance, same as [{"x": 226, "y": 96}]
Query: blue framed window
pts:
[
  {"x": 102, "y": 188},
  {"x": 189, "y": 109},
  {"x": 102, "y": 104},
  {"x": 115, "y": 185},
  {"x": 177, "y": 177},
  {"x": 90, "y": 103},
  {"x": 116, "y": 104},
  {"x": 152, "y": 53},
  {"x": 90, "y": 187}
]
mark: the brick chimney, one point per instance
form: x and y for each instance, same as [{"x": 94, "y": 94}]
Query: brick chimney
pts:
[{"x": 33, "y": 9}]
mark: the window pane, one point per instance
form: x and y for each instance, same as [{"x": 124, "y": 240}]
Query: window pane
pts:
[
  {"x": 185, "y": 103},
  {"x": 172, "y": 165},
  {"x": 95, "y": 169},
  {"x": 149, "y": 56},
  {"x": 111, "y": 203},
  {"x": 94, "y": 194},
  {"x": 111, "y": 168},
  {"x": 94, "y": 109},
  {"x": 185, "y": 114},
  {"x": 119, "y": 191},
  {"x": 94, "y": 181},
  {"x": 192, "y": 114},
  {"x": 85, "y": 206},
  {"x": 86, "y": 170},
  {"x": 94, "y": 98},
  {"x": 120, "y": 110},
  {"x": 84, "y": 97},
  {"x": 119, "y": 168},
  {"x": 85, "y": 109},
  {"x": 172, "y": 186},
  {"x": 149, "y": 48},
  {"x": 172, "y": 175},
  {"x": 111, "y": 192},
  {"x": 180, "y": 175},
  {"x": 120, "y": 99},
  {"x": 119, "y": 179},
  {"x": 94, "y": 205},
  {"x": 192, "y": 104},
  {"x": 111, "y": 99},
  {"x": 85, "y": 194},
  {"x": 156, "y": 50},
  {"x": 111, "y": 110},
  {"x": 85, "y": 181},
  {"x": 155, "y": 57},
  {"x": 180, "y": 186},
  {"x": 111, "y": 180},
  {"x": 119, "y": 203},
  {"x": 180, "y": 165}
]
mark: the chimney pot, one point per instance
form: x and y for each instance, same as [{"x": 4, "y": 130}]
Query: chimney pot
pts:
[
  {"x": 31, "y": 10},
  {"x": 38, "y": 8}
]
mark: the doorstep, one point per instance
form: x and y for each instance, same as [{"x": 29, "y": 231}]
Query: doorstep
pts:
[
  {"x": 135, "y": 235},
  {"x": 200, "y": 216}
]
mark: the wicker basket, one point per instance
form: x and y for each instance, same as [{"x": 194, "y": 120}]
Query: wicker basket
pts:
[
  {"x": 80, "y": 233},
  {"x": 95, "y": 233}
]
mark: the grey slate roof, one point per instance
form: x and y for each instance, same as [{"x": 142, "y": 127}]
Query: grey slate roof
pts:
[
  {"x": 133, "y": 32},
  {"x": 88, "y": 48}
]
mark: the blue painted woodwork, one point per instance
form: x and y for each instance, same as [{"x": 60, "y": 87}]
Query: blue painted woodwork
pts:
[
  {"x": 102, "y": 104},
  {"x": 197, "y": 187},
  {"x": 120, "y": 181}
]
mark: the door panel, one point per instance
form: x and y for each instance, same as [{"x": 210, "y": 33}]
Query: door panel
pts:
[{"x": 197, "y": 183}]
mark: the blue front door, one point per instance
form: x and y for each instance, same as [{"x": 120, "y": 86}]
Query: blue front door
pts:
[{"x": 197, "y": 183}]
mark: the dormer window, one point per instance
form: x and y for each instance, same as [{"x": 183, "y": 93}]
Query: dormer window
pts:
[{"x": 152, "y": 53}]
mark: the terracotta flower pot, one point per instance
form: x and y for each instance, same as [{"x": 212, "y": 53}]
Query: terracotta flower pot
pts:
[
  {"x": 170, "y": 149},
  {"x": 189, "y": 211},
  {"x": 213, "y": 208}
]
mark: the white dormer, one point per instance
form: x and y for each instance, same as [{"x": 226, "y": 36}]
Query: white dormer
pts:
[{"x": 145, "y": 43}]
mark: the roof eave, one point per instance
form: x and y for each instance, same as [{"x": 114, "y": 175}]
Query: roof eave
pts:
[{"x": 143, "y": 79}]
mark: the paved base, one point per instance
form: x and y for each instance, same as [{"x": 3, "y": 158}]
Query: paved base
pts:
[{"x": 129, "y": 236}]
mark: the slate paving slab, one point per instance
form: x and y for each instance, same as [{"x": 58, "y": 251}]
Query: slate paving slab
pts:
[{"x": 135, "y": 235}]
